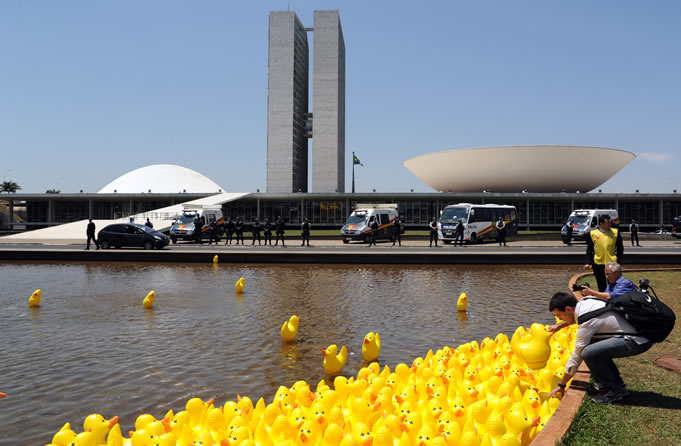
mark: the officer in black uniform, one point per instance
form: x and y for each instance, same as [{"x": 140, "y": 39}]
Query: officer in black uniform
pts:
[
  {"x": 268, "y": 231},
  {"x": 149, "y": 224},
  {"x": 214, "y": 228},
  {"x": 281, "y": 225},
  {"x": 239, "y": 230},
  {"x": 433, "y": 232},
  {"x": 198, "y": 230},
  {"x": 459, "y": 233},
  {"x": 229, "y": 228},
  {"x": 90, "y": 232},
  {"x": 501, "y": 231},
  {"x": 373, "y": 225},
  {"x": 633, "y": 229},
  {"x": 570, "y": 226},
  {"x": 397, "y": 231},
  {"x": 305, "y": 232},
  {"x": 256, "y": 231}
]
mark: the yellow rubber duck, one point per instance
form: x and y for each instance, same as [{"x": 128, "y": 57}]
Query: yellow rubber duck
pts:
[
  {"x": 289, "y": 330},
  {"x": 34, "y": 300},
  {"x": 371, "y": 347},
  {"x": 64, "y": 436},
  {"x": 99, "y": 426},
  {"x": 215, "y": 258},
  {"x": 148, "y": 301},
  {"x": 535, "y": 349},
  {"x": 239, "y": 285},
  {"x": 334, "y": 361},
  {"x": 462, "y": 302}
]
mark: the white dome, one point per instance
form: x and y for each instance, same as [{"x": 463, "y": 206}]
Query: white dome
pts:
[
  {"x": 161, "y": 179},
  {"x": 518, "y": 168}
]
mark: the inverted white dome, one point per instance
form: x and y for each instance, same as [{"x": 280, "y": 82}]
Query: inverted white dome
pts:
[
  {"x": 161, "y": 179},
  {"x": 518, "y": 168}
]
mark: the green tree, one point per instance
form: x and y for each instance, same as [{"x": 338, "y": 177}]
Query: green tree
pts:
[
  {"x": 9, "y": 187},
  {"x": 52, "y": 191}
]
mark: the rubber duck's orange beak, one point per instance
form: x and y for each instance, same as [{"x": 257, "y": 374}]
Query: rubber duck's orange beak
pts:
[
  {"x": 320, "y": 419},
  {"x": 2, "y": 395},
  {"x": 210, "y": 402},
  {"x": 535, "y": 421},
  {"x": 166, "y": 424},
  {"x": 113, "y": 421},
  {"x": 303, "y": 438},
  {"x": 368, "y": 442},
  {"x": 324, "y": 352},
  {"x": 366, "y": 341}
]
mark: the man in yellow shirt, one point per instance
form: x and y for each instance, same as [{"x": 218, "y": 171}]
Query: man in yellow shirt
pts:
[{"x": 603, "y": 245}]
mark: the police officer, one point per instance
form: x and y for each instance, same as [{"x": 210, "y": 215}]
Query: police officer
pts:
[
  {"x": 459, "y": 233},
  {"x": 373, "y": 225},
  {"x": 603, "y": 245},
  {"x": 268, "y": 231},
  {"x": 256, "y": 231},
  {"x": 90, "y": 232},
  {"x": 305, "y": 232},
  {"x": 397, "y": 231},
  {"x": 633, "y": 229},
  {"x": 229, "y": 228},
  {"x": 433, "y": 232},
  {"x": 281, "y": 225},
  {"x": 570, "y": 226},
  {"x": 501, "y": 231},
  {"x": 239, "y": 230},
  {"x": 149, "y": 224},
  {"x": 198, "y": 230}
]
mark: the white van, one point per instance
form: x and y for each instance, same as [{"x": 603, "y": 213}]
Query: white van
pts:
[
  {"x": 586, "y": 220},
  {"x": 183, "y": 225},
  {"x": 357, "y": 225}
]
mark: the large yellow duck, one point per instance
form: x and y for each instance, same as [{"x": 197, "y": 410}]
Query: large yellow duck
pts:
[
  {"x": 148, "y": 301},
  {"x": 239, "y": 285},
  {"x": 371, "y": 347},
  {"x": 334, "y": 361},
  {"x": 462, "y": 302},
  {"x": 289, "y": 330},
  {"x": 534, "y": 348},
  {"x": 34, "y": 300}
]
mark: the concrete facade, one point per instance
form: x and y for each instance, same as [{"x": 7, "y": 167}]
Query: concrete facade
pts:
[
  {"x": 287, "y": 103},
  {"x": 328, "y": 109}
]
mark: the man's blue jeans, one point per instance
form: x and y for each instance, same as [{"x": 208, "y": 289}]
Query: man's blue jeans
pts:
[{"x": 598, "y": 356}]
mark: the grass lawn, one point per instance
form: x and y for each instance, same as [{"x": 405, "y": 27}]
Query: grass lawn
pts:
[{"x": 651, "y": 415}]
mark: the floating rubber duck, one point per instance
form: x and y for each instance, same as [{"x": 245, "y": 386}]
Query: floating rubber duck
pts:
[
  {"x": 535, "y": 349},
  {"x": 290, "y": 329},
  {"x": 334, "y": 361},
  {"x": 239, "y": 285},
  {"x": 215, "y": 258},
  {"x": 64, "y": 436},
  {"x": 462, "y": 302},
  {"x": 148, "y": 301},
  {"x": 371, "y": 347},
  {"x": 34, "y": 300},
  {"x": 99, "y": 426}
]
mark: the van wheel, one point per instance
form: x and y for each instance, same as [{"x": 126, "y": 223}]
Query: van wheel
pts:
[
  {"x": 105, "y": 244},
  {"x": 474, "y": 238},
  {"x": 447, "y": 242},
  {"x": 173, "y": 239},
  {"x": 148, "y": 245},
  {"x": 346, "y": 241}
]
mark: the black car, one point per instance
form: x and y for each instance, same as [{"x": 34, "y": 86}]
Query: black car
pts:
[
  {"x": 676, "y": 227},
  {"x": 130, "y": 234}
]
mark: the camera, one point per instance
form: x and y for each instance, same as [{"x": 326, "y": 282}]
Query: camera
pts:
[
  {"x": 644, "y": 284},
  {"x": 580, "y": 287}
]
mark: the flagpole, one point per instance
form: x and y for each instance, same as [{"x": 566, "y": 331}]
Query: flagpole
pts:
[{"x": 353, "y": 173}]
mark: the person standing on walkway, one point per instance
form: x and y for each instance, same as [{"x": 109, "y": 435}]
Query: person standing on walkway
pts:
[
  {"x": 90, "y": 232},
  {"x": 433, "y": 232},
  {"x": 268, "y": 232},
  {"x": 397, "y": 231},
  {"x": 281, "y": 227},
  {"x": 229, "y": 229},
  {"x": 214, "y": 228},
  {"x": 570, "y": 227},
  {"x": 373, "y": 226},
  {"x": 198, "y": 230},
  {"x": 501, "y": 231},
  {"x": 305, "y": 232},
  {"x": 256, "y": 231},
  {"x": 239, "y": 230},
  {"x": 459, "y": 233},
  {"x": 633, "y": 229},
  {"x": 148, "y": 224},
  {"x": 603, "y": 245}
]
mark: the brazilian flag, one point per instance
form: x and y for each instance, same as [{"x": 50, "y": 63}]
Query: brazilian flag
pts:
[{"x": 356, "y": 160}]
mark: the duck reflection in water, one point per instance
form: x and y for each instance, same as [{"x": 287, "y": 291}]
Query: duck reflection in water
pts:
[{"x": 290, "y": 354}]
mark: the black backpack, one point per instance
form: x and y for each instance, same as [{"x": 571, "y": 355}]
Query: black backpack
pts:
[{"x": 650, "y": 317}]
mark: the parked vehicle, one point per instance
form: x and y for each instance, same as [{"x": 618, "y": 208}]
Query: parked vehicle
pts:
[
  {"x": 478, "y": 219},
  {"x": 676, "y": 227},
  {"x": 585, "y": 220},
  {"x": 357, "y": 225},
  {"x": 183, "y": 226},
  {"x": 131, "y": 234}
]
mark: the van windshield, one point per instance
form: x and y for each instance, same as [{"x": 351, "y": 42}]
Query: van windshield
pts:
[
  {"x": 580, "y": 219},
  {"x": 185, "y": 219},
  {"x": 453, "y": 215},
  {"x": 357, "y": 218}
]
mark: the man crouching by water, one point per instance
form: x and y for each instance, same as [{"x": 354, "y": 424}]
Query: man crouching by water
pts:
[{"x": 597, "y": 343}]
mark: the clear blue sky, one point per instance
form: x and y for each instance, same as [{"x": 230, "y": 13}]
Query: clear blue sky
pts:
[{"x": 91, "y": 90}]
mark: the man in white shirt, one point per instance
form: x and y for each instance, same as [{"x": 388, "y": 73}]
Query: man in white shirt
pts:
[{"x": 599, "y": 340}]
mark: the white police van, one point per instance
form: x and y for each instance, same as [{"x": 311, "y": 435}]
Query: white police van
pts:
[
  {"x": 183, "y": 225},
  {"x": 357, "y": 225},
  {"x": 586, "y": 220}
]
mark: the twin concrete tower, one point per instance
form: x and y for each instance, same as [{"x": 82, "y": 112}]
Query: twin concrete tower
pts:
[{"x": 289, "y": 121}]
